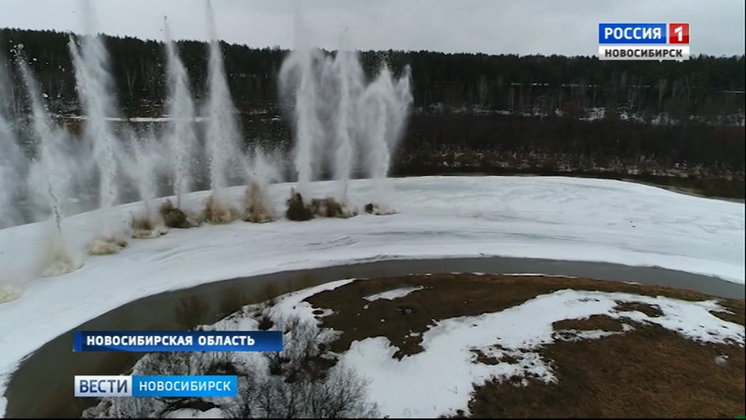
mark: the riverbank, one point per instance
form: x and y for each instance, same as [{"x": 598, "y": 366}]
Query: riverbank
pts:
[{"x": 32, "y": 392}]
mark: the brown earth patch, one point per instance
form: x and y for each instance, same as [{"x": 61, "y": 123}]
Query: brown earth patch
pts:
[
  {"x": 486, "y": 359},
  {"x": 736, "y": 317},
  {"x": 646, "y": 372},
  {"x": 592, "y": 323},
  {"x": 445, "y": 296},
  {"x": 652, "y": 311}
]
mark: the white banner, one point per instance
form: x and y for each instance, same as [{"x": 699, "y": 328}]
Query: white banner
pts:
[{"x": 640, "y": 52}]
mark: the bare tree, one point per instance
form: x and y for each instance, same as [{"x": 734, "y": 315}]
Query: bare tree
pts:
[
  {"x": 296, "y": 390},
  {"x": 484, "y": 90}
]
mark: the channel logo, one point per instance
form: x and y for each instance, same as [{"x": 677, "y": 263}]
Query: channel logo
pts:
[
  {"x": 678, "y": 33},
  {"x": 100, "y": 386},
  {"x": 643, "y": 41}
]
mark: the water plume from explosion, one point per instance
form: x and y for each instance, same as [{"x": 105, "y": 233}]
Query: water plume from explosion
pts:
[
  {"x": 258, "y": 207},
  {"x": 95, "y": 87},
  {"x": 384, "y": 105},
  {"x": 9, "y": 179},
  {"x": 222, "y": 130},
  {"x": 180, "y": 106},
  {"x": 337, "y": 115},
  {"x": 346, "y": 123},
  {"x": 12, "y": 162},
  {"x": 147, "y": 223},
  {"x": 55, "y": 258}
]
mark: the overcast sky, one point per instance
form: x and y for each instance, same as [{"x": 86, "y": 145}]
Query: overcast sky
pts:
[{"x": 566, "y": 27}]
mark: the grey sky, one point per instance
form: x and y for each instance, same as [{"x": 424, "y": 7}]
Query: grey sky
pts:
[{"x": 491, "y": 26}]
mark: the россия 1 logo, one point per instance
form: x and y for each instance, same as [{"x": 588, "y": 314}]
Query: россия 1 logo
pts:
[{"x": 643, "y": 41}]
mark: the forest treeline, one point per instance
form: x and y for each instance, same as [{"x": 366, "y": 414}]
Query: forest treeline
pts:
[
  {"x": 706, "y": 86},
  {"x": 693, "y": 143}
]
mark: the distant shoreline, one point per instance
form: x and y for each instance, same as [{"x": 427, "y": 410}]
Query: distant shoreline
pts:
[{"x": 678, "y": 185}]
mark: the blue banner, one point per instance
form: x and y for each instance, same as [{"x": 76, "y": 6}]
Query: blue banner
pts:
[
  {"x": 173, "y": 341},
  {"x": 632, "y": 33},
  {"x": 184, "y": 386},
  {"x": 99, "y": 386}
]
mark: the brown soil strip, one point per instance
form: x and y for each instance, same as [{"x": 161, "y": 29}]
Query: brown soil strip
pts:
[
  {"x": 447, "y": 296},
  {"x": 592, "y": 323},
  {"x": 736, "y": 316},
  {"x": 647, "y": 373},
  {"x": 649, "y": 310}
]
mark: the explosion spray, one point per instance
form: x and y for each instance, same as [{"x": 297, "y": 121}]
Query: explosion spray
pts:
[
  {"x": 56, "y": 259},
  {"x": 180, "y": 107}
]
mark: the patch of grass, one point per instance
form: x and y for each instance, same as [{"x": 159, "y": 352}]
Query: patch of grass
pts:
[
  {"x": 646, "y": 372},
  {"x": 736, "y": 317},
  {"x": 649, "y": 372},
  {"x": 652, "y": 311},
  {"x": 454, "y": 295},
  {"x": 592, "y": 323},
  {"x": 485, "y": 359}
]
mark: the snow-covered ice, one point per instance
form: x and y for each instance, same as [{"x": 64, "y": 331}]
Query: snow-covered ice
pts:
[{"x": 548, "y": 217}]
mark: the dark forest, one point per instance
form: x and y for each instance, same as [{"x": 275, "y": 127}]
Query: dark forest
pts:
[{"x": 677, "y": 123}]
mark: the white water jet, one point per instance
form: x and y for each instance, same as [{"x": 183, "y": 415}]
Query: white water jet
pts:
[
  {"x": 222, "y": 130},
  {"x": 11, "y": 158},
  {"x": 94, "y": 91},
  {"x": 9, "y": 180},
  {"x": 147, "y": 223},
  {"x": 385, "y": 105},
  {"x": 148, "y": 158},
  {"x": 180, "y": 106},
  {"x": 307, "y": 123},
  {"x": 378, "y": 156},
  {"x": 336, "y": 112},
  {"x": 55, "y": 258},
  {"x": 44, "y": 134},
  {"x": 350, "y": 75},
  {"x": 298, "y": 86}
]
